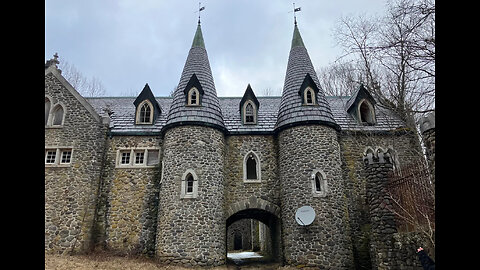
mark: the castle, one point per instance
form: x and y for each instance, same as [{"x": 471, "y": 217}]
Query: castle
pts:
[{"x": 167, "y": 176}]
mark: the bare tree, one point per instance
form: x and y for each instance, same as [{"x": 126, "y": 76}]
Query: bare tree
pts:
[
  {"x": 395, "y": 55},
  {"x": 92, "y": 87}
]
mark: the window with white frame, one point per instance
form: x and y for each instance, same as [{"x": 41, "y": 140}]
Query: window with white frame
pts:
[
  {"x": 58, "y": 156},
  {"x": 309, "y": 96},
  {"x": 137, "y": 157},
  {"x": 189, "y": 185},
  {"x": 249, "y": 113},
  {"x": 251, "y": 168},
  {"x": 193, "y": 97},
  {"x": 145, "y": 113}
]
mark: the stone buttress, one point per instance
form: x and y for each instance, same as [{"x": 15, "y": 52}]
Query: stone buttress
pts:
[
  {"x": 308, "y": 148},
  {"x": 191, "y": 224}
]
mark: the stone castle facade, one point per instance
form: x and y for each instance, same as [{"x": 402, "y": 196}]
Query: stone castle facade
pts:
[{"x": 167, "y": 176}]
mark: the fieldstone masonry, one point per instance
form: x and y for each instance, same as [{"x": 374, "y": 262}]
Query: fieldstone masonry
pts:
[{"x": 94, "y": 200}]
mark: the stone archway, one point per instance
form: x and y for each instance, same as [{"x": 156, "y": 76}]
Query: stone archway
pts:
[{"x": 269, "y": 226}]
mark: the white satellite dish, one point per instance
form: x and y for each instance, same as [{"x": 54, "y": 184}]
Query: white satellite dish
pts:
[{"x": 305, "y": 215}]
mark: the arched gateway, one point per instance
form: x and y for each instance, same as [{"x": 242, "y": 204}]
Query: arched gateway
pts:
[{"x": 269, "y": 228}]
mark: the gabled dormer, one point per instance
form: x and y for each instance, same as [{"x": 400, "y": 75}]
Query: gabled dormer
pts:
[
  {"x": 193, "y": 92},
  {"x": 361, "y": 106},
  {"x": 308, "y": 91},
  {"x": 249, "y": 107},
  {"x": 147, "y": 108}
]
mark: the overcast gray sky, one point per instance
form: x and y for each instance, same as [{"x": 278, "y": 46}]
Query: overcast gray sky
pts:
[{"x": 127, "y": 43}]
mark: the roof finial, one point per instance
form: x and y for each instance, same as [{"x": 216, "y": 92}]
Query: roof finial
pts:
[
  {"x": 294, "y": 15},
  {"x": 199, "y": 9}
]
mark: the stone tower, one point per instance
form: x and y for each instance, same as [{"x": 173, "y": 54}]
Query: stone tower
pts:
[
  {"x": 191, "y": 224},
  {"x": 310, "y": 168}
]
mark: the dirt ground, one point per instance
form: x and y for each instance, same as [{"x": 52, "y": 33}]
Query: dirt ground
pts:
[{"x": 107, "y": 262}]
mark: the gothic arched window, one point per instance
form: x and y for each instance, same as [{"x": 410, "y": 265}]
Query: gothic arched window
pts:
[
  {"x": 189, "y": 185},
  {"x": 249, "y": 113},
  {"x": 251, "y": 168},
  {"x": 193, "y": 97},
  {"x": 319, "y": 184},
  {"x": 145, "y": 113},
  {"x": 58, "y": 115},
  {"x": 309, "y": 96},
  {"x": 48, "y": 105}
]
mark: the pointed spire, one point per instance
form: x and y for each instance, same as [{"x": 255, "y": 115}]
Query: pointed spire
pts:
[
  {"x": 196, "y": 74},
  {"x": 301, "y": 75},
  {"x": 198, "y": 39},
  {"x": 297, "y": 38}
]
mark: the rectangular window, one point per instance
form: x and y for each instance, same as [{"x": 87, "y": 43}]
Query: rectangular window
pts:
[
  {"x": 66, "y": 156},
  {"x": 139, "y": 156},
  {"x": 61, "y": 157},
  {"x": 50, "y": 156},
  {"x": 152, "y": 157},
  {"x": 125, "y": 158}
]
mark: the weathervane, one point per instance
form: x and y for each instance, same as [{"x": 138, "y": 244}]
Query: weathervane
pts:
[
  {"x": 199, "y": 9},
  {"x": 295, "y": 10}
]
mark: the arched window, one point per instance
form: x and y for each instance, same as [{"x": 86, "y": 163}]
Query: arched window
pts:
[
  {"x": 309, "y": 96},
  {"x": 366, "y": 113},
  {"x": 249, "y": 113},
  {"x": 318, "y": 187},
  {"x": 145, "y": 113},
  {"x": 319, "y": 184},
  {"x": 193, "y": 96},
  {"x": 251, "y": 168},
  {"x": 189, "y": 188},
  {"x": 58, "y": 115},
  {"x": 189, "y": 184},
  {"x": 48, "y": 105}
]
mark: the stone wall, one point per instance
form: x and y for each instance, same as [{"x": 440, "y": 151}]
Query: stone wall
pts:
[
  {"x": 236, "y": 189},
  {"x": 243, "y": 228},
  {"x": 192, "y": 231},
  {"x": 324, "y": 243},
  {"x": 71, "y": 190},
  {"x": 353, "y": 146},
  {"x": 127, "y": 214},
  {"x": 389, "y": 249}
]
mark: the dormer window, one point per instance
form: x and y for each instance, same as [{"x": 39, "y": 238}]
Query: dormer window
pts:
[
  {"x": 308, "y": 91},
  {"x": 249, "y": 114},
  {"x": 145, "y": 113},
  {"x": 193, "y": 97},
  {"x": 146, "y": 107},
  {"x": 366, "y": 113},
  {"x": 248, "y": 107},
  {"x": 309, "y": 96}
]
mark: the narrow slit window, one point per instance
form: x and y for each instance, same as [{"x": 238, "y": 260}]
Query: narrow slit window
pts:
[
  {"x": 47, "y": 109},
  {"x": 189, "y": 186},
  {"x": 317, "y": 183},
  {"x": 251, "y": 168}
]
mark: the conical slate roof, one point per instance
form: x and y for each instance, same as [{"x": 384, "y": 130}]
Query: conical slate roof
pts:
[
  {"x": 292, "y": 111},
  {"x": 196, "y": 71}
]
